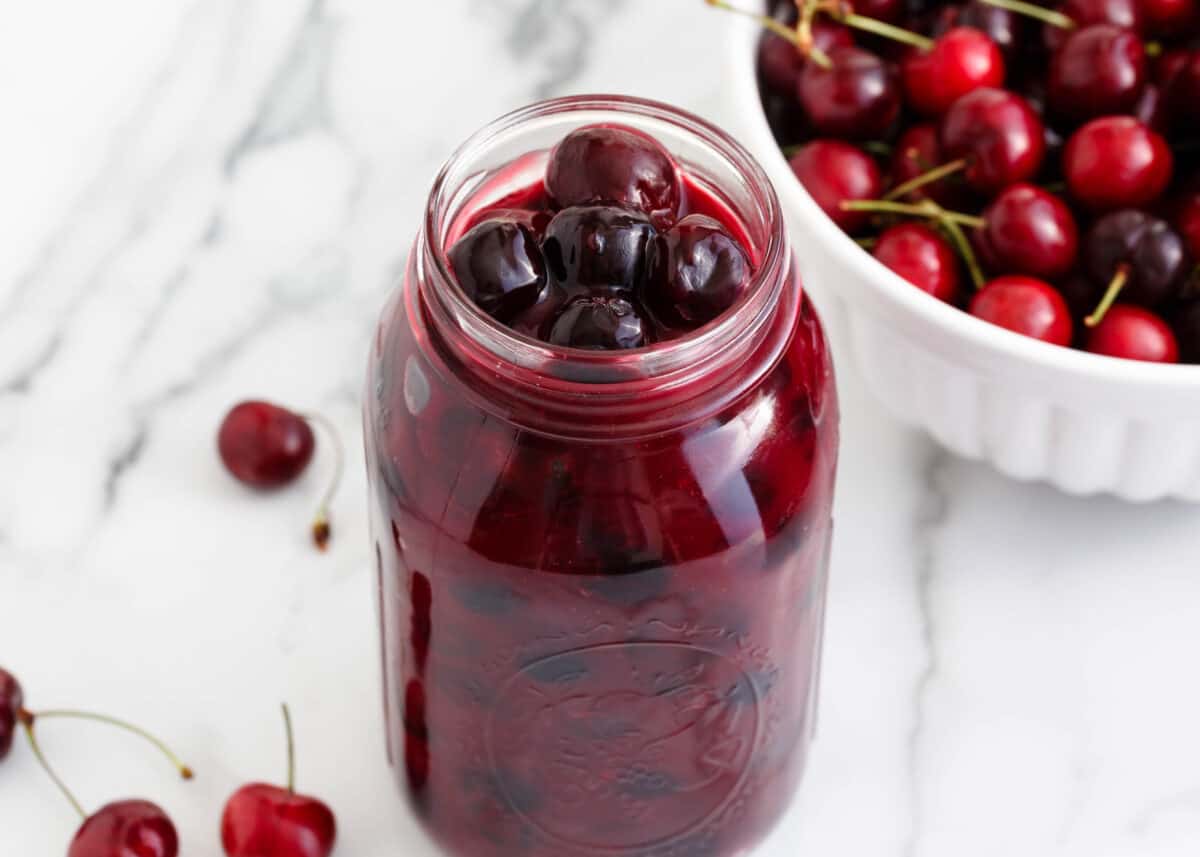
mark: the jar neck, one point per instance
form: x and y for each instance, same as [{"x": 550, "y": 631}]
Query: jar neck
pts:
[{"x": 604, "y": 394}]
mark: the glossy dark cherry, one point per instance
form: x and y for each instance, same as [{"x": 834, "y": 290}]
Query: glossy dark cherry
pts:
[
  {"x": 11, "y": 700},
  {"x": 1134, "y": 333},
  {"x": 1028, "y": 231},
  {"x": 1027, "y": 306},
  {"x": 599, "y": 323},
  {"x": 699, "y": 271},
  {"x": 128, "y": 828},
  {"x": 1157, "y": 260},
  {"x": 1117, "y": 162},
  {"x": 1187, "y": 330},
  {"x": 917, "y": 152},
  {"x": 1121, "y": 13},
  {"x": 892, "y": 11},
  {"x": 920, "y": 255},
  {"x": 857, "y": 98},
  {"x": 614, "y": 164},
  {"x": 832, "y": 172},
  {"x": 780, "y": 62},
  {"x": 1007, "y": 29},
  {"x": 264, "y": 445},
  {"x": 499, "y": 265},
  {"x": 1182, "y": 94},
  {"x": 536, "y": 321},
  {"x": 598, "y": 247},
  {"x": 961, "y": 60},
  {"x": 1099, "y": 69},
  {"x": 999, "y": 136},
  {"x": 262, "y": 820}
]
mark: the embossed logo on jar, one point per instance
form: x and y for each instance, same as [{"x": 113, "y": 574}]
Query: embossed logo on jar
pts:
[{"x": 624, "y": 745}]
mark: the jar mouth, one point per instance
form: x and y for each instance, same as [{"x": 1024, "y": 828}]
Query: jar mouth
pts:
[{"x": 453, "y": 187}]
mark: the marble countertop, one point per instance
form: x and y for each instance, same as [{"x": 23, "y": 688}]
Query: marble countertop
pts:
[{"x": 209, "y": 200}]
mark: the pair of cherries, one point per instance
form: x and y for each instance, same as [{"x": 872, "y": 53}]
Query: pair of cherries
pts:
[
  {"x": 1060, "y": 139},
  {"x": 259, "y": 820}
]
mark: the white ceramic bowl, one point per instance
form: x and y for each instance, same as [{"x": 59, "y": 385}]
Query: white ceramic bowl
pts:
[{"x": 1085, "y": 423}]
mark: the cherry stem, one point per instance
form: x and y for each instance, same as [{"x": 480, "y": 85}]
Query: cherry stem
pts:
[
  {"x": 321, "y": 530},
  {"x": 809, "y": 51},
  {"x": 889, "y": 207},
  {"x": 27, "y": 722},
  {"x": 291, "y": 749},
  {"x": 844, "y": 15},
  {"x": 184, "y": 771},
  {"x": 917, "y": 182},
  {"x": 1120, "y": 278},
  {"x": 1032, "y": 10},
  {"x": 964, "y": 249}
]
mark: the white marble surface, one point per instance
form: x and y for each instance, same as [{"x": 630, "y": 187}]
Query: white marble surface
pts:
[{"x": 209, "y": 200}]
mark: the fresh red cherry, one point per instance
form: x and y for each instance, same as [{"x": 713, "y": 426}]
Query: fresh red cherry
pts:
[
  {"x": 1007, "y": 29},
  {"x": 891, "y": 11},
  {"x": 127, "y": 828},
  {"x": 1187, "y": 328},
  {"x": 1099, "y": 69},
  {"x": 1126, "y": 14},
  {"x": 1134, "y": 333},
  {"x": 499, "y": 266},
  {"x": 1117, "y": 162},
  {"x": 855, "y": 98},
  {"x": 962, "y": 60},
  {"x": 598, "y": 247},
  {"x": 1027, "y": 306},
  {"x": 267, "y": 446},
  {"x": 1182, "y": 93},
  {"x": 1168, "y": 17},
  {"x": 997, "y": 137},
  {"x": 616, "y": 165},
  {"x": 917, "y": 152},
  {"x": 264, "y": 445},
  {"x": 699, "y": 271},
  {"x": 598, "y": 324},
  {"x": 1028, "y": 231},
  {"x": 262, "y": 820},
  {"x": 921, "y": 256},
  {"x": 1136, "y": 257},
  {"x": 833, "y": 172},
  {"x": 11, "y": 700}
]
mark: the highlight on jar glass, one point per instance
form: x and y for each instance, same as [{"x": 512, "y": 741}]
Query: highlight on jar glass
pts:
[{"x": 601, "y": 432}]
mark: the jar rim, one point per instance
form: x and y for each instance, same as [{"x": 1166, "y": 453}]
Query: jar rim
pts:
[{"x": 591, "y": 366}]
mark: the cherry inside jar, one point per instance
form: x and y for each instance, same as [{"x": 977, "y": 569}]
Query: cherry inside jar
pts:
[{"x": 601, "y": 572}]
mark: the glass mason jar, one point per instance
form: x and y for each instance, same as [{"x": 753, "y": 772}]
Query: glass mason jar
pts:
[{"x": 601, "y": 573}]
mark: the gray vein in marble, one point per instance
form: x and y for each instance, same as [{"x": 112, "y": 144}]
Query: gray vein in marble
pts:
[
  {"x": 930, "y": 518},
  {"x": 558, "y": 34},
  {"x": 1182, "y": 802},
  {"x": 22, "y": 382},
  {"x": 295, "y": 101},
  {"x": 121, "y": 463}
]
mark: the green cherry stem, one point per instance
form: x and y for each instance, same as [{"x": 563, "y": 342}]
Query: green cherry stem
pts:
[
  {"x": 27, "y": 723},
  {"x": 783, "y": 31},
  {"x": 66, "y": 714},
  {"x": 884, "y": 206},
  {"x": 917, "y": 182},
  {"x": 1032, "y": 10},
  {"x": 291, "y": 749},
  {"x": 879, "y": 28},
  {"x": 956, "y": 234},
  {"x": 321, "y": 528},
  {"x": 1120, "y": 278}
]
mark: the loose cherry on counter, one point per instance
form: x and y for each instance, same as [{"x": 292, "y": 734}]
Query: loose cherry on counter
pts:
[
  {"x": 615, "y": 165},
  {"x": 262, "y": 820},
  {"x": 1117, "y": 162},
  {"x": 267, "y": 446},
  {"x": 920, "y": 255},
  {"x": 126, "y": 828},
  {"x": 961, "y": 60},
  {"x": 1028, "y": 230},
  {"x": 1134, "y": 333},
  {"x": 11, "y": 701},
  {"x": 1027, "y": 306},
  {"x": 833, "y": 172},
  {"x": 1099, "y": 70}
]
